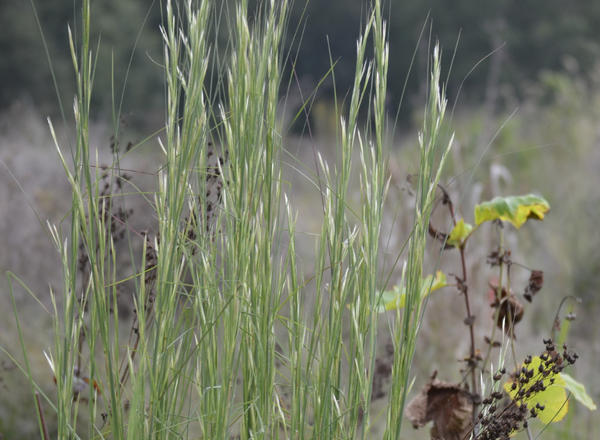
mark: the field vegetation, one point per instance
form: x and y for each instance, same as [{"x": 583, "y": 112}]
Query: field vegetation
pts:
[{"x": 265, "y": 262}]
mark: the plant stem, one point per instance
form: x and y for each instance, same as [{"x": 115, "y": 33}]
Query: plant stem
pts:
[
  {"x": 465, "y": 292},
  {"x": 468, "y": 306}
]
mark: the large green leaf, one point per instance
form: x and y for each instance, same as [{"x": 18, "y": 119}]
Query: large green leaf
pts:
[
  {"x": 516, "y": 210},
  {"x": 554, "y": 397},
  {"x": 396, "y": 298},
  {"x": 578, "y": 391}
]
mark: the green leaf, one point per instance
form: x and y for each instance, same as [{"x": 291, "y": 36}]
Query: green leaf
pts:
[
  {"x": 578, "y": 391},
  {"x": 460, "y": 232},
  {"x": 516, "y": 210},
  {"x": 396, "y": 299},
  {"x": 554, "y": 398}
]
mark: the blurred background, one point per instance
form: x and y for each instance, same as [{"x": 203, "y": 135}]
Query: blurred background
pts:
[{"x": 523, "y": 83}]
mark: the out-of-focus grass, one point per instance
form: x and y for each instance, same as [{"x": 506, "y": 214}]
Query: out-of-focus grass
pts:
[{"x": 32, "y": 179}]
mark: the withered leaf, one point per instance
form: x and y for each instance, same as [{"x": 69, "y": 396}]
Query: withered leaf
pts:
[
  {"x": 494, "y": 258},
  {"x": 447, "y": 405},
  {"x": 469, "y": 321},
  {"x": 511, "y": 311},
  {"x": 489, "y": 341},
  {"x": 557, "y": 324},
  {"x": 536, "y": 281},
  {"x": 494, "y": 286}
]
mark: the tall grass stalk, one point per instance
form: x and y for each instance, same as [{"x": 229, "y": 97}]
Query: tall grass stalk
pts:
[
  {"x": 406, "y": 331},
  {"x": 219, "y": 281},
  {"x": 349, "y": 245}
]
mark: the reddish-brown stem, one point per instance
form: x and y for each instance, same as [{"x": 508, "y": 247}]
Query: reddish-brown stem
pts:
[
  {"x": 471, "y": 331},
  {"x": 38, "y": 402},
  {"x": 465, "y": 292}
]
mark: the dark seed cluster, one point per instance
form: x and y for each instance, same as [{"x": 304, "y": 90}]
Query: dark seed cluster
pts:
[
  {"x": 498, "y": 257},
  {"x": 114, "y": 143},
  {"x": 206, "y": 205},
  {"x": 151, "y": 259},
  {"x": 113, "y": 216},
  {"x": 109, "y": 221},
  {"x": 497, "y": 423},
  {"x": 382, "y": 373},
  {"x": 114, "y": 219}
]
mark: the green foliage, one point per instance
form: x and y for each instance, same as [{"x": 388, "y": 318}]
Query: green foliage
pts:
[
  {"x": 515, "y": 210},
  {"x": 535, "y": 389},
  {"x": 577, "y": 390},
  {"x": 538, "y": 36},
  {"x": 219, "y": 284},
  {"x": 207, "y": 357},
  {"x": 434, "y": 150},
  {"x": 22, "y": 70},
  {"x": 128, "y": 64},
  {"x": 128, "y": 58},
  {"x": 396, "y": 298},
  {"x": 459, "y": 233}
]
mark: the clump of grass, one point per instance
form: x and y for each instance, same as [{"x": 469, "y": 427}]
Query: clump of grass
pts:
[
  {"x": 407, "y": 326},
  {"x": 219, "y": 274}
]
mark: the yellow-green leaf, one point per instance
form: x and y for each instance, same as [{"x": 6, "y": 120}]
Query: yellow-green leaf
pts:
[
  {"x": 393, "y": 299},
  {"x": 578, "y": 391},
  {"x": 554, "y": 398},
  {"x": 515, "y": 210},
  {"x": 396, "y": 298},
  {"x": 459, "y": 233}
]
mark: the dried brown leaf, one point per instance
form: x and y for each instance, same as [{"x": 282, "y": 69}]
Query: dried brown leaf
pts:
[
  {"x": 536, "y": 281},
  {"x": 511, "y": 310},
  {"x": 447, "y": 405},
  {"x": 494, "y": 258}
]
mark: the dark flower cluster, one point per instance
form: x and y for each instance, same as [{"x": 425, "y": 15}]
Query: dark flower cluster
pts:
[
  {"x": 151, "y": 259},
  {"x": 497, "y": 423},
  {"x": 113, "y": 219},
  {"x": 206, "y": 205}
]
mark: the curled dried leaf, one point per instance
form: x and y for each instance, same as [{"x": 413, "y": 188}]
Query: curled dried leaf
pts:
[
  {"x": 447, "y": 405},
  {"x": 511, "y": 310},
  {"x": 536, "y": 281},
  {"x": 494, "y": 258}
]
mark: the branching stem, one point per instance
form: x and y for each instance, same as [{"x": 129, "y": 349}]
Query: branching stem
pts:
[{"x": 465, "y": 291}]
